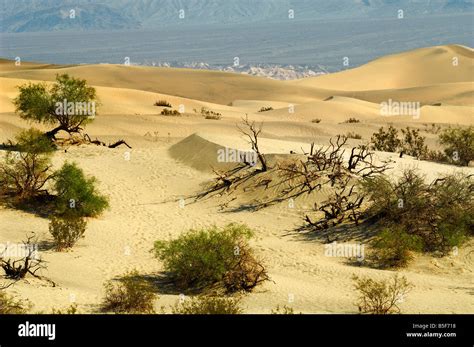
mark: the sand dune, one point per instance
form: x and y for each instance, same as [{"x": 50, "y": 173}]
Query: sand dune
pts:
[
  {"x": 421, "y": 67},
  {"x": 211, "y": 86},
  {"x": 113, "y": 100},
  {"x": 9, "y": 65},
  {"x": 460, "y": 94},
  {"x": 338, "y": 109}
]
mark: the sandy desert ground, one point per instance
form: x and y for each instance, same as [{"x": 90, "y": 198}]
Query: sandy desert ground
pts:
[{"x": 171, "y": 158}]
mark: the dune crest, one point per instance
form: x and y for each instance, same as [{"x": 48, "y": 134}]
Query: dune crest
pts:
[{"x": 416, "y": 68}]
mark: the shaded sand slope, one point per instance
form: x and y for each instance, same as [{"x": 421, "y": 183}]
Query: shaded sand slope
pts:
[
  {"x": 11, "y": 66},
  {"x": 201, "y": 150},
  {"x": 337, "y": 109},
  {"x": 460, "y": 94},
  {"x": 211, "y": 86},
  {"x": 208, "y": 144},
  {"x": 113, "y": 100}
]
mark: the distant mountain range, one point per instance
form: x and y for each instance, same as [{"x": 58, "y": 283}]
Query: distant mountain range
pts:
[{"x": 57, "y": 15}]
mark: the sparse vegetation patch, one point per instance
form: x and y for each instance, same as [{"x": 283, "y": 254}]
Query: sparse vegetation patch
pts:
[{"x": 212, "y": 257}]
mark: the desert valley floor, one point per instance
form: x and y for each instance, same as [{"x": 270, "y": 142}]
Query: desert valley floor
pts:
[{"x": 172, "y": 157}]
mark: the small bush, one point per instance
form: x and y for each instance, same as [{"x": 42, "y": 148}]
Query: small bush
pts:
[
  {"x": 77, "y": 195},
  {"x": 413, "y": 144},
  {"x": 209, "y": 114},
  {"x": 437, "y": 156},
  {"x": 246, "y": 272},
  {"x": 131, "y": 294},
  {"x": 352, "y": 120},
  {"x": 33, "y": 141},
  {"x": 167, "y": 112},
  {"x": 381, "y": 297},
  {"x": 213, "y": 116},
  {"x": 208, "y": 305},
  {"x": 432, "y": 128},
  {"x": 386, "y": 141},
  {"x": 27, "y": 166},
  {"x": 440, "y": 214},
  {"x": 8, "y": 305},
  {"x": 352, "y": 135},
  {"x": 454, "y": 209},
  {"x": 72, "y": 309},
  {"x": 459, "y": 144},
  {"x": 394, "y": 248},
  {"x": 200, "y": 259},
  {"x": 265, "y": 109},
  {"x": 163, "y": 103},
  {"x": 316, "y": 120},
  {"x": 283, "y": 310},
  {"x": 67, "y": 231}
]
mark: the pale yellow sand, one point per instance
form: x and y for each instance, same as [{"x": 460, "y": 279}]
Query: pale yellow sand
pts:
[
  {"x": 144, "y": 191},
  {"x": 425, "y": 66}
]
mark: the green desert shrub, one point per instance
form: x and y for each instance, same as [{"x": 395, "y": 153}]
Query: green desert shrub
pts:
[
  {"x": 404, "y": 200},
  {"x": 66, "y": 231},
  {"x": 26, "y": 168},
  {"x": 381, "y": 297},
  {"x": 209, "y": 114},
  {"x": 394, "y": 248},
  {"x": 130, "y": 294},
  {"x": 439, "y": 214},
  {"x": 459, "y": 144},
  {"x": 283, "y": 310},
  {"x": 352, "y": 120},
  {"x": 33, "y": 141},
  {"x": 437, "y": 156},
  {"x": 213, "y": 116},
  {"x": 72, "y": 309},
  {"x": 200, "y": 259},
  {"x": 265, "y": 109},
  {"x": 77, "y": 194},
  {"x": 208, "y": 305},
  {"x": 9, "y": 305},
  {"x": 413, "y": 143},
  {"x": 432, "y": 128},
  {"x": 454, "y": 206},
  {"x": 167, "y": 112},
  {"x": 162, "y": 103},
  {"x": 386, "y": 140},
  {"x": 353, "y": 135}
]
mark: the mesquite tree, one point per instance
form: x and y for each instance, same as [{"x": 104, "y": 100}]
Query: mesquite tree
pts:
[{"x": 68, "y": 104}]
